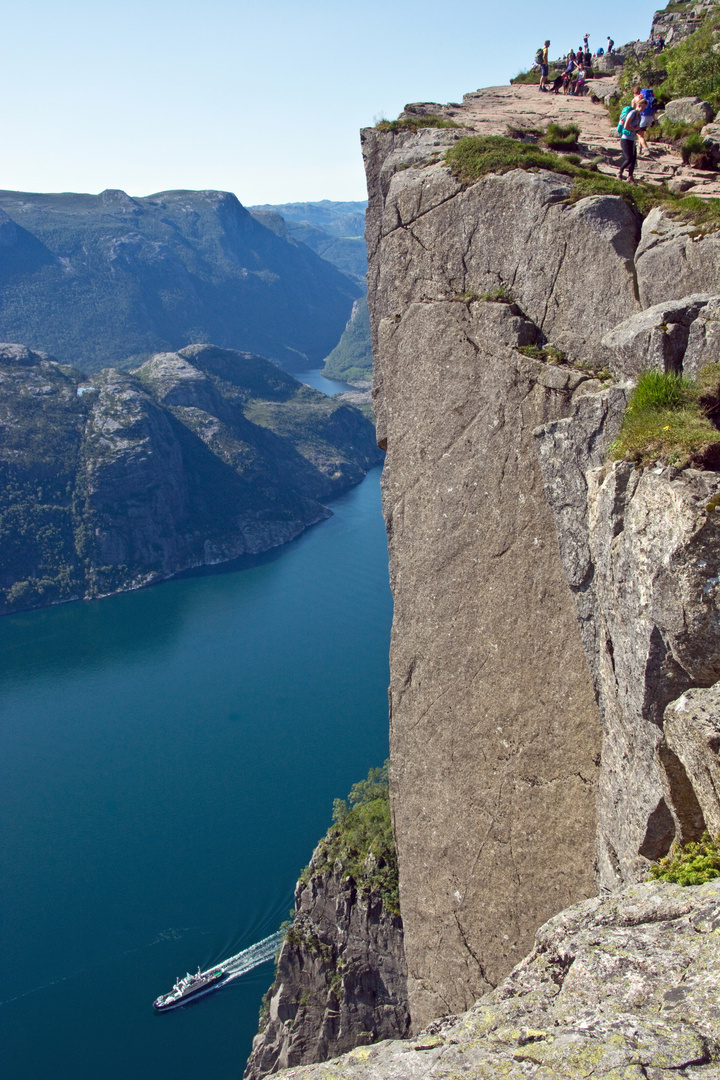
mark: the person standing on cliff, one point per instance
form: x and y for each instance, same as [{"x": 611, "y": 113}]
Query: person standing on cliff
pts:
[{"x": 544, "y": 67}]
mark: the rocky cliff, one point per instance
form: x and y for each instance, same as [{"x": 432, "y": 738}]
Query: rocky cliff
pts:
[
  {"x": 122, "y": 479},
  {"x": 340, "y": 979},
  {"x": 549, "y": 606}
]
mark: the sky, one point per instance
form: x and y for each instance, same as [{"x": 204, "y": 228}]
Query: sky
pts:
[{"x": 264, "y": 99}]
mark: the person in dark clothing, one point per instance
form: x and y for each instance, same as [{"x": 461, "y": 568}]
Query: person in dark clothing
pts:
[
  {"x": 611, "y": 45},
  {"x": 627, "y": 129}
]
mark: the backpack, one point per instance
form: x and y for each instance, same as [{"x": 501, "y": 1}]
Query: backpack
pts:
[
  {"x": 539, "y": 56},
  {"x": 623, "y": 116},
  {"x": 650, "y": 99}
]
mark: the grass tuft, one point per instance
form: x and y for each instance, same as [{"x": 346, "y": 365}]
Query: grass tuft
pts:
[
  {"x": 562, "y": 136},
  {"x": 414, "y": 123},
  {"x": 667, "y": 420}
]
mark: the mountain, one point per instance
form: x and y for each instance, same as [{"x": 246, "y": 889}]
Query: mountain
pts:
[
  {"x": 335, "y": 230},
  {"x": 351, "y": 359},
  {"x": 111, "y": 279},
  {"x": 122, "y": 479}
]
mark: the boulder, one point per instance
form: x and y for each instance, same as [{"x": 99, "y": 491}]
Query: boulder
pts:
[
  {"x": 689, "y": 110},
  {"x": 678, "y": 184},
  {"x": 703, "y": 346},
  {"x": 673, "y": 260},
  {"x": 654, "y": 338}
]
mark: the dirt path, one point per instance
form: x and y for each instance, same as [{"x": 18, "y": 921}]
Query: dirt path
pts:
[{"x": 491, "y": 110}]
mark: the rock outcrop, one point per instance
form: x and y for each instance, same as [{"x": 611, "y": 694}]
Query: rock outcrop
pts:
[
  {"x": 195, "y": 458},
  {"x": 495, "y": 828},
  {"x": 617, "y": 986},
  {"x": 340, "y": 980}
]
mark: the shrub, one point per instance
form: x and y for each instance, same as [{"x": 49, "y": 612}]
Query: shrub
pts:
[
  {"x": 562, "y": 136},
  {"x": 667, "y": 420},
  {"x": 414, "y": 123},
  {"x": 522, "y": 77},
  {"x": 500, "y": 295},
  {"x": 361, "y": 839},
  {"x": 547, "y": 353},
  {"x": 691, "y": 864}
]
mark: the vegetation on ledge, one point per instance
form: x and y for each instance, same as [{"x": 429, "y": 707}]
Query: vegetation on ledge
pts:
[
  {"x": 414, "y": 123},
  {"x": 668, "y": 420},
  {"x": 479, "y": 155},
  {"x": 691, "y": 864},
  {"x": 361, "y": 839}
]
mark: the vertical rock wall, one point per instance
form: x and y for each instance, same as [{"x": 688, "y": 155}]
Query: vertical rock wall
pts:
[{"x": 495, "y": 734}]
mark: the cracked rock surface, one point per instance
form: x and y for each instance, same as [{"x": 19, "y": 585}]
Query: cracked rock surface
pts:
[
  {"x": 621, "y": 986},
  {"x": 495, "y": 824}
]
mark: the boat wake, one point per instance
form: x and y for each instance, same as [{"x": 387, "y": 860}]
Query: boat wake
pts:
[{"x": 252, "y": 957}]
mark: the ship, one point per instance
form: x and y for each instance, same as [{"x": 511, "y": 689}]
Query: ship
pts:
[{"x": 189, "y": 987}]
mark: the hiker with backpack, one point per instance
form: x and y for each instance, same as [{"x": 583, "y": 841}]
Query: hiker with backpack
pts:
[
  {"x": 541, "y": 58},
  {"x": 627, "y": 129},
  {"x": 645, "y": 103}
]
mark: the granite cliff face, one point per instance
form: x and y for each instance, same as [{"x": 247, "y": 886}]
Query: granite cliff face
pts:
[
  {"x": 125, "y": 479},
  {"x": 552, "y": 611}
]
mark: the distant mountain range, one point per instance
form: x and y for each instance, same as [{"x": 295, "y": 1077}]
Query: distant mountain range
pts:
[
  {"x": 336, "y": 231},
  {"x": 110, "y": 279},
  {"x": 116, "y": 480}
]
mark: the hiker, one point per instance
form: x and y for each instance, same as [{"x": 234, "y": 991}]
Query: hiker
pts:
[
  {"x": 645, "y": 103},
  {"x": 611, "y": 45},
  {"x": 587, "y": 61},
  {"x": 600, "y": 52},
  {"x": 627, "y": 130},
  {"x": 585, "y": 43},
  {"x": 544, "y": 67},
  {"x": 579, "y": 88}
]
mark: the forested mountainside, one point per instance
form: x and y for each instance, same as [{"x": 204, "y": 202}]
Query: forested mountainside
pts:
[
  {"x": 335, "y": 230},
  {"x": 119, "y": 479},
  {"x": 111, "y": 279}
]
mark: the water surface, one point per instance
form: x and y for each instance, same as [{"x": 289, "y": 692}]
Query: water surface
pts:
[{"x": 168, "y": 758}]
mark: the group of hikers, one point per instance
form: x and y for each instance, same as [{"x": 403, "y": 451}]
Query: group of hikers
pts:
[
  {"x": 578, "y": 68},
  {"x": 635, "y": 118}
]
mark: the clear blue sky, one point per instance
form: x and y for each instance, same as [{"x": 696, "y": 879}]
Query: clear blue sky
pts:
[{"x": 264, "y": 99}]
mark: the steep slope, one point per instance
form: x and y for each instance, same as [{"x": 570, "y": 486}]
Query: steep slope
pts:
[
  {"x": 195, "y": 458},
  {"x": 100, "y": 279}
]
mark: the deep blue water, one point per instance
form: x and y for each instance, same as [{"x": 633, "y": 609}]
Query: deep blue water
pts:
[{"x": 168, "y": 759}]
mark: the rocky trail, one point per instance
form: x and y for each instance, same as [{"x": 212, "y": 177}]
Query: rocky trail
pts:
[{"x": 492, "y": 110}]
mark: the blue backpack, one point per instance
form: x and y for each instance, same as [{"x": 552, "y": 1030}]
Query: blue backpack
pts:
[{"x": 651, "y": 103}]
